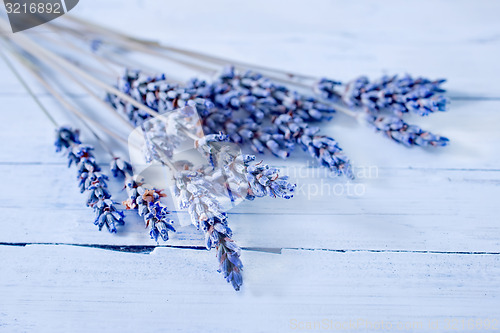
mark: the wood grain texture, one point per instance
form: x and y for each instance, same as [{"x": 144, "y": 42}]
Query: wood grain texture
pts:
[
  {"x": 89, "y": 289},
  {"x": 420, "y": 245},
  {"x": 397, "y": 209}
]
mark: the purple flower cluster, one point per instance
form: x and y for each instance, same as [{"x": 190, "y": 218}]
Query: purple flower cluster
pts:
[
  {"x": 156, "y": 93},
  {"x": 195, "y": 194},
  {"x": 399, "y": 131},
  {"x": 237, "y": 173},
  {"x": 91, "y": 180},
  {"x": 229, "y": 175},
  {"x": 121, "y": 168},
  {"x": 242, "y": 106},
  {"x": 261, "y": 97},
  {"x": 323, "y": 149},
  {"x": 246, "y": 131},
  {"x": 399, "y": 95},
  {"x": 147, "y": 203},
  {"x": 265, "y": 180}
]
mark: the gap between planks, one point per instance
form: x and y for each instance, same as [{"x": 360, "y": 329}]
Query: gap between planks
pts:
[{"x": 145, "y": 249}]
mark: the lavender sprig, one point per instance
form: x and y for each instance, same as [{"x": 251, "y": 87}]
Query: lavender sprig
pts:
[
  {"x": 323, "y": 149},
  {"x": 195, "y": 195},
  {"x": 399, "y": 95},
  {"x": 91, "y": 180},
  {"x": 146, "y": 201},
  {"x": 247, "y": 180},
  {"x": 399, "y": 131}
]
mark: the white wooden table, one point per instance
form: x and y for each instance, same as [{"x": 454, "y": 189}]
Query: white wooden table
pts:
[{"x": 419, "y": 249}]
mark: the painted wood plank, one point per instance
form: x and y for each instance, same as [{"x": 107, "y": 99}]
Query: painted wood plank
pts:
[
  {"x": 61, "y": 288},
  {"x": 395, "y": 191},
  {"x": 421, "y": 209}
]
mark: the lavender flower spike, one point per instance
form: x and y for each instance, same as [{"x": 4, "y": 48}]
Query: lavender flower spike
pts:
[
  {"x": 195, "y": 193},
  {"x": 265, "y": 180},
  {"x": 248, "y": 181},
  {"x": 92, "y": 181},
  {"x": 401, "y": 132},
  {"x": 146, "y": 201},
  {"x": 399, "y": 95},
  {"x": 323, "y": 149}
]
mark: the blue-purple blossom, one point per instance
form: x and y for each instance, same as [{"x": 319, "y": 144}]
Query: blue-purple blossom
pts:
[
  {"x": 245, "y": 179},
  {"x": 91, "y": 180},
  {"x": 107, "y": 215},
  {"x": 246, "y": 131},
  {"x": 156, "y": 93},
  {"x": 159, "y": 143},
  {"x": 228, "y": 253},
  {"x": 261, "y": 97},
  {"x": 397, "y": 94},
  {"x": 121, "y": 168},
  {"x": 147, "y": 202},
  {"x": 196, "y": 194},
  {"x": 323, "y": 149},
  {"x": 265, "y": 180},
  {"x": 65, "y": 138},
  {"x": 208, "y": 144},
  {"x": 250, "y": 92},
  {"x": 399, "y": 131}
]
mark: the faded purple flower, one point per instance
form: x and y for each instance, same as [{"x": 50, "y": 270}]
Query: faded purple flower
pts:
[
  {"x": 323, "y": 149},
  {"x": 403, "y": 133},
  {"x": 399, "y": 95},
  {"x": 91, "y": 180}
]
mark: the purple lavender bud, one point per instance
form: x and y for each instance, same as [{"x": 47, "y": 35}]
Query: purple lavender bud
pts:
[
  {"x": 95, "y": 44},
  {"x": 121, "y": 168},
  {"x": 107, "y": 214},
  {"x": 207, "y": 145},
  {"x": 65, "y": 138},
  {"x": 326, "y": 89},
  {"x": 265, "y": 180},
  {"x": 207, "y": 214}
]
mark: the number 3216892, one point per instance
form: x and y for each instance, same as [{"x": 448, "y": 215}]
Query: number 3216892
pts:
[{"x": 34, "y": 8}]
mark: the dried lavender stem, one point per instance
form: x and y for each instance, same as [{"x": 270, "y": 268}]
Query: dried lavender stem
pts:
[
  {"x": 141, "y": 48},
  {"x": 28, "y": 89},
  {"x": 67, "y": 105},
  {"x": 66, "y": 73},
  {"x": 72, "y": 109},
  {"x": 50, "y": 56},
  {"x": 339, "y": 107},
  {"x": 111, "y": 71},
  {"x": 103, "y": 59},
  {"x": 199, "y": 55},
  {"x": 92, "y": 181}
]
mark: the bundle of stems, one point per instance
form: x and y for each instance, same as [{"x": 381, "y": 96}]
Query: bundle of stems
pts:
[
  {"x": 218, "y": 104},
  {"x": 381, "y": 103},
  {"x": 239, "y": 105},
  {"x": 194, "y": 185}
]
